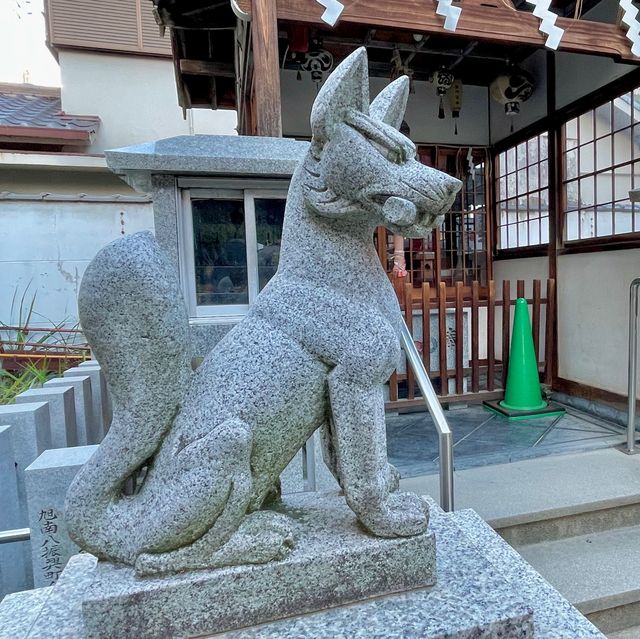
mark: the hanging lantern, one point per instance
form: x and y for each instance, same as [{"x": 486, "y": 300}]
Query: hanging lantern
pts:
[
  {"x": 512, "y": 88},
  {"x": 443, "y": 80},
  {"x": 316, "y": 62},
  {"x": 455, "y": 101}
]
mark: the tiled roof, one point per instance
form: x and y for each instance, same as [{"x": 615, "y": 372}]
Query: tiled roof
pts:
[{"x": 37, "y": 112}]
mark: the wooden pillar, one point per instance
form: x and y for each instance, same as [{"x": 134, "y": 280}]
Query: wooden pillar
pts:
[
  {"x": 556, "y": 208},
  {"x": 266, "y": 68}
]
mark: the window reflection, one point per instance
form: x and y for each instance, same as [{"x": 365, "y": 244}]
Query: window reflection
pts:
[
  {"x": 269, "y": 218},
  {"x": 220, "y": 253}
]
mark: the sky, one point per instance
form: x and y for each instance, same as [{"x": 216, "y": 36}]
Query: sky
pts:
[{"x": 24, "y": 56}]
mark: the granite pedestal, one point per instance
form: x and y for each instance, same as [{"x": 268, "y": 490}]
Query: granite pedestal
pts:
[
  {"x": 30, "y": 436},
  {"x": 99, "y": 394},
  {"x": 89, "y": 362},
  {"x": 47, "y": 481},
  {"x": 62, "y": 412},
  {"x": 14, "y": 573},
  {"x": 85, "y": 421},
  {"x": 334, "y": 562},
  {"x": 484, "y": 590}
]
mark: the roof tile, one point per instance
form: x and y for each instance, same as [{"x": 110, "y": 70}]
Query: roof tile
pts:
[{"x": 19, "y": 109}]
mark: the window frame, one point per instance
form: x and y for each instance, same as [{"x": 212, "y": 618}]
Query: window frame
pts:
[
  {"x": 223, "y": 313},
  {"x": 612, "y": 240},
  {"x": 553, "y": 123},
  {"x": 511, "y": 144}
]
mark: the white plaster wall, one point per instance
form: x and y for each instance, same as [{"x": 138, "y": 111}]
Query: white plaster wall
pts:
[
  {"x": 63, "y": 182},
  {"x": 46, "y": 246},
  {"x": 421, "y": 114},
  {"x": 135, "y": 98},
  {"x": 578, "y": 75},
  {"x": 532, "y": 110},
  {"x": 593, "y": 307},
  {"x": 527, "y": 269}
]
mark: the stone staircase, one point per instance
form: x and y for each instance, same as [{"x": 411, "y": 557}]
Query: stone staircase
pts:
[{"x": 574, "y": 518}]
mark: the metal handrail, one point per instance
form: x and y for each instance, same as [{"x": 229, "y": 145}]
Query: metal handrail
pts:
[
  {"x": 633, "y": 366},
  {"x": 445, "y": 436},
  {"x": 19, "y": 534}
]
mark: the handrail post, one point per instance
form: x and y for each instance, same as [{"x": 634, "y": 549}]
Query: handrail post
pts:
[
  {"x": 445, "y": 436},
  {"x": 633, "y": 367}
]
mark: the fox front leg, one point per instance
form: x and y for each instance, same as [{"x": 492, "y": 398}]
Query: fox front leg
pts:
[
  {"x": 360, "y": 444},
  {"x": 327, "y": 440}
]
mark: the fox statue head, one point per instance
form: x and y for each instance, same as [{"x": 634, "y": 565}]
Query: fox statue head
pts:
[{"x": 360, "y": 164}]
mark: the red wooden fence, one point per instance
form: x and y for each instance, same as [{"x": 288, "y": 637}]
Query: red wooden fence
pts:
[{"x": 478, "y": 371}]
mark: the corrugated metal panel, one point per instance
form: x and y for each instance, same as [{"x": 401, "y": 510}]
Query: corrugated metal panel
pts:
[
  {"x": 113, "y": 25},
  {"x": 151, "y": 40}
]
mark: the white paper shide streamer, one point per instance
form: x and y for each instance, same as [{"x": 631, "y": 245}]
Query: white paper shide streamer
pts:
[
  {"x": 333, "y": 9},
  {"x": 450, "y": 14},
  {"x": 548, "y": 22},
  {"x": 629, "y": 17}
]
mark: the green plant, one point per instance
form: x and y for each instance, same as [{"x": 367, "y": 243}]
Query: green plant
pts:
[
  {"x": 34, "y": 352},
  {"x": 12, "y": 384}
]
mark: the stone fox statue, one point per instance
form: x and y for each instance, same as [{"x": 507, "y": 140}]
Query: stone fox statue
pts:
[{"x": 313, "y": 352}]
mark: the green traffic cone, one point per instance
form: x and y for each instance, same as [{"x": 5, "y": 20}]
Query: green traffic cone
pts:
[
  {"x": 523, "y": 398},
  {"x": 523, "y": 385}
]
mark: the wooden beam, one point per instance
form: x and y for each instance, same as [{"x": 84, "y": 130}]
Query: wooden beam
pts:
[
  {"x": 204, "y": 67},
  {"x": 478, "y": 22},
  {"x": 266, "y": 67}
]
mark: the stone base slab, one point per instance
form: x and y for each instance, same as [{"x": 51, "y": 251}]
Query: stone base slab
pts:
[
  {"x": 334, "y": 562},
  {"x": 484, "y": 590}
]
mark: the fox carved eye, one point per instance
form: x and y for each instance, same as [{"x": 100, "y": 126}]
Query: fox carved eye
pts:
[{"x": 392, "y": 154}]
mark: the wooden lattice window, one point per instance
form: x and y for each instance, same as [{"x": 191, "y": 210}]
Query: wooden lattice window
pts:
[
  {"x": 457, "y": 252},
  {"x": 600, "y": 159},
  {"x": 522, "y": 194}
]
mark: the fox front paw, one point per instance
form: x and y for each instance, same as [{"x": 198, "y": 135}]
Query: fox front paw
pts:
[{"x": 401, "y": 515}]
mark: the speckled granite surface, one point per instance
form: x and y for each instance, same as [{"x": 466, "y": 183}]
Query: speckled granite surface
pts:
[
  {"x": 554, "y": 616},
  {"x": 471, "y": 600},
  {"x": 485, "y": 590},
  {"x": 333, "y": 562},
  {"x": 19, "y": 611}
]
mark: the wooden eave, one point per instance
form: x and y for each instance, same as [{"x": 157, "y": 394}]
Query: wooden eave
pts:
[
  {"x": 477, "y": 22},
  {"x": 44, "y": 135}
]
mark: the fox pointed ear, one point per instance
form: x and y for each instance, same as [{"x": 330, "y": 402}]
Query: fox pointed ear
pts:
[
  {"x": 345, "y": 89},
  {"x": 391, "y": 103}
]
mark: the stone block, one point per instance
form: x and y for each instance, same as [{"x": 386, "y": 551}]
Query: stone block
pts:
[
  {"x": 85, "y": 420},
  {"x": 99, "y": 395},
  {"x": 30, "y": 436},
  {"x": 307, "y": 471},
  {"x": 333, "y": 563},
  {"x": 484, "y": 589},
  {"x": 319, "y": 477},
  {"x": 89, "y": 362},
  {"x": 292, "y": 477},
  {"x": 47, "y": 480},
  {"x": 62, "y": 412},
  {"x": 20, "y": 611},
  {"x": 15, "y": 574}
]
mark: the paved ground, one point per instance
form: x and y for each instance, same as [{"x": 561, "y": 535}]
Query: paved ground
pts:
[{"x": 483, "y": 438}]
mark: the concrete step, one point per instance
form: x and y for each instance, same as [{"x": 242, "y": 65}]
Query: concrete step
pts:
[
  {"x": 598, "y": 573},
  {"x": 575, "y": 518},
  {"x": 552, "y": 497},
  {"x": 629, "y": 633}
]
